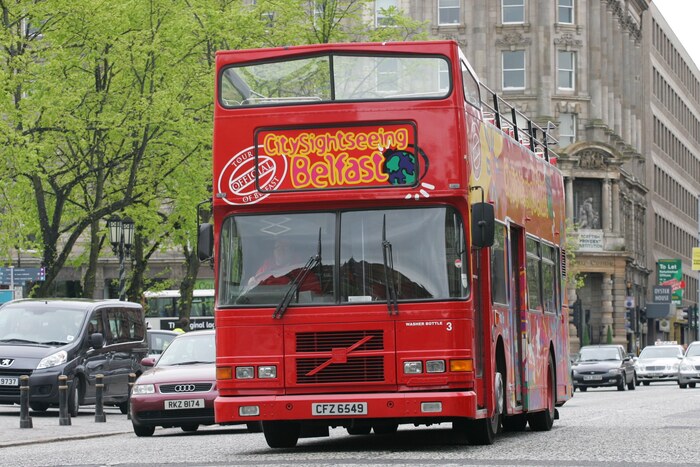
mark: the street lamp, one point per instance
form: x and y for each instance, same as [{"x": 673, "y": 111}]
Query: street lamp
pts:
[{"x": 121, "y": 236}]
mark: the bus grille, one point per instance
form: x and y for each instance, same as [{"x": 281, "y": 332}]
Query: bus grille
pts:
[
  {"x": 327, "y": 341},
  {"x": 355, "y": 370}
]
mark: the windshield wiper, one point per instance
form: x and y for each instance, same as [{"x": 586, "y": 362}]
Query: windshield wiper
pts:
[
  {"x": 299, "y": 279},
  {"x": 22, "y": 341},
  {"x": 54, "y": 343},
  {"x": 193, "y": 362},
  {"x": 388, "y": 255}
]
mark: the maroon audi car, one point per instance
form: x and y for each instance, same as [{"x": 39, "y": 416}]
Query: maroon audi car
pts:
[{"x": 179, "y": 390}]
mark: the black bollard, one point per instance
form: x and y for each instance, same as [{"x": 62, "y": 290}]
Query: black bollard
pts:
[
  {"x": 132, "y": 381},
  {"x": 63, "y": 417},
  {"x": 99, "y": 408},
  {"x": 25, "y": 421}
]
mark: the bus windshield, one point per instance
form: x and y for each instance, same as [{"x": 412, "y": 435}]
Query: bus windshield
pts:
[
  {"x": 407, "y": 254},
  {"x": 335, "y": 77}
]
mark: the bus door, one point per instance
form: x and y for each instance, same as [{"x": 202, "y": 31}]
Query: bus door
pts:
[{"x": 518, "y": 308}]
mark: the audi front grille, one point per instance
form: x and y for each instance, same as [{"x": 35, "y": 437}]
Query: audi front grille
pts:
[{"x": 185, "y": 388}]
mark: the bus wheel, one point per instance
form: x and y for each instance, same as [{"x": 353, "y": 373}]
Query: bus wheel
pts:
[
  {"x": 359, "y": 429},
  {"x": 543, "y": 420},
  {"x": 385, "y": 428},
  {"x": 514, "y": 422},
  {"x": 281, "y": 434}
]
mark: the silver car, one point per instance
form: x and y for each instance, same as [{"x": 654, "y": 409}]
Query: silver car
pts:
[
  {"x": 659, "y": 363},
  {"x": 689, "y": 368}
]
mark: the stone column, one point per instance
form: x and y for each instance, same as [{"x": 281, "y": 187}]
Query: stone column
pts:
[
  {"x": 570, "y": 198},
  {"x": 616, "y": 206},
  {"x": 595, "y": 60},
  {"x": 605, "y": 207},
  {"x": 606, "y": 313}
]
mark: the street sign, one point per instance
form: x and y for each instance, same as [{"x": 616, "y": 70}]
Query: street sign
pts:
[
  {"x": 696, "y": 259},
  {"x": 670, "y": 272},
  {"x": 19, "y": 276},
  {"x": 662, "y": 293},
  {"x": 6, "y": 295}
]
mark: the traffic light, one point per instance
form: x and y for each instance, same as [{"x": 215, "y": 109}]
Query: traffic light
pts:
[
  {"x": 629, "y": 318},
  {"x": 643, "y": 315}
]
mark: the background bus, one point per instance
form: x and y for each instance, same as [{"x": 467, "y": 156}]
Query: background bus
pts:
[{"x": 162, "y": 309}]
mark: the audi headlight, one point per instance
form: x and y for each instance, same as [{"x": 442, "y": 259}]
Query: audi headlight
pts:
[
  {"x": 141, "y": 389},
  {"x": 52, "y": 360}
]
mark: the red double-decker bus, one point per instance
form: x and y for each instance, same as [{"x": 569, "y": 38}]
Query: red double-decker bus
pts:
[{"x": 389, "y": 248}]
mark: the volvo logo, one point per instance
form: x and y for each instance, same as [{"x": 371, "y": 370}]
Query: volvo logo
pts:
[
  {"x": 5, "y": 362},
  {"x": 184, "y": 388}
]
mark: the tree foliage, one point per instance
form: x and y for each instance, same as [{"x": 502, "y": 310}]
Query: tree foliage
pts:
[{"x": 107, "y": 109}]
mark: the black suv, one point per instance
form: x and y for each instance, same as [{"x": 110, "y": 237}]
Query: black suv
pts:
[
  {"x": 603, "y": 365},
  {"x": 47, "y": 338}
]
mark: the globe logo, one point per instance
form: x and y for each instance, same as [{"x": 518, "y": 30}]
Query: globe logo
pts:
[{"x": 400, "y": 166}]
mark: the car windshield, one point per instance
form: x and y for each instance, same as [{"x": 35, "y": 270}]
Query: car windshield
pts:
[
  {"x": 38, "y": 323},
  {"x": 598, "y": 354},
  {"x": 693, "y": 351},
  {"x": 159, "y": 341},
  {"x": 661, "y": 352},
  {"x": 188, "y": 349}
]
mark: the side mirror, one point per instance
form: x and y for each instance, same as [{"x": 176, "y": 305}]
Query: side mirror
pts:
[
  {"x": 148, "y": 361},
  {"x": 96, "y": 340},
  {"x": 483, "y": 225},
  {"x": 205, "y": 242}
]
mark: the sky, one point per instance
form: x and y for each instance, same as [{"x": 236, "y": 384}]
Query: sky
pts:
[{"x": 683, "y": 16}]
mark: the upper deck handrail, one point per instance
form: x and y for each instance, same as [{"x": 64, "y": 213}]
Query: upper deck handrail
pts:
[{"x": 506, "y": 118}]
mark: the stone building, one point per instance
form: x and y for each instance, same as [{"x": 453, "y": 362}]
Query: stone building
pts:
[{"x": 624, "y": 97}]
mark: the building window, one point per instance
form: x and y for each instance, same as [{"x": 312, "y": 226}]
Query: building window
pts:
[
  {"x": 382, "y": 7},
  {"x": 387, "y": 75},
  {"x": 514, "y": 69},
  {"x": 566, "y": 62},
  {"x": 513, "y": 11},
  {"x": 587, "y": 203},
  {"x": 567, "y": 129},
  {"x": 566, "y": 11},
  {"x": 448, "y": 11}
]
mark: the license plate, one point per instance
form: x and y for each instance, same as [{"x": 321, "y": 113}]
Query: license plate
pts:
[
  {"x": 9, "y": 381},
  {"x": 339, "y": 408},
  {"x": 184, "y": 404},
  {"x": 592, "y": 377}
]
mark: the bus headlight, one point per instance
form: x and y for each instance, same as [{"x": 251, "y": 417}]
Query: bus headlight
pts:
[
  {"x": 435, "y": 366},
  {"x": 245, "y": 372},
  {"x": 413, "y": 368},
  {"x": 267, "y": 372}
]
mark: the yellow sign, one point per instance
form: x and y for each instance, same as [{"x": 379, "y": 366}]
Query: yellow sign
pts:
[{"x": 696, "y": 259}]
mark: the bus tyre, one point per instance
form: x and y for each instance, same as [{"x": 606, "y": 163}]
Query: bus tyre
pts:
[
  {"x": 514, "y": 423},
  {"x": 385, "y": 428},
  {"x": 543, "y": 420},
  {"x": 254, "y": 427},
  {"x": 281, "y": 434}
]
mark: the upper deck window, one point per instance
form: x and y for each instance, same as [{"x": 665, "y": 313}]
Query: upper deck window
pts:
[{"x": 325, "y": 78}]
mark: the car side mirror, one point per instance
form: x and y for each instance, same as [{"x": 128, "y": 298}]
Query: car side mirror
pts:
[
  {"x": 96, "y": 340},
  {"x": 148, "y": 361}
]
